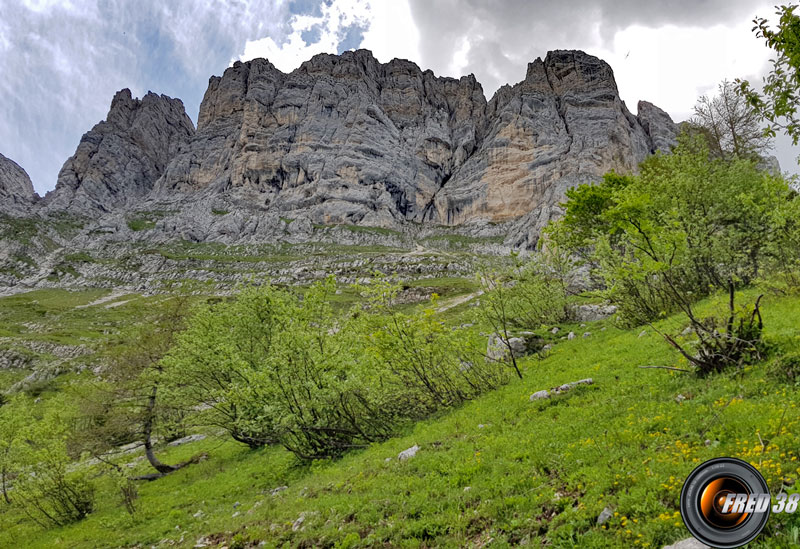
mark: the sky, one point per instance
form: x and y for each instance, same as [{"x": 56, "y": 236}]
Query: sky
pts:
[{"x": 62, "y": 61}]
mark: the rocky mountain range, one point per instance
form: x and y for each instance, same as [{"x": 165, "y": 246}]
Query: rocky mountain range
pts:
[{"x": 344, "y": 140}]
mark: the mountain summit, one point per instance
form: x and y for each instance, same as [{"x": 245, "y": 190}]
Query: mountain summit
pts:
[{"x": 345, "y": 139}]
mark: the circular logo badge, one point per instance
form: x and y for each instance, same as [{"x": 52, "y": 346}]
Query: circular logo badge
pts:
[{"x": 725, "y": 503}]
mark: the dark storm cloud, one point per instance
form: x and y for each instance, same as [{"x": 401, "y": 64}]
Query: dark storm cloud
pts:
[{"x": 505, "y": 36}]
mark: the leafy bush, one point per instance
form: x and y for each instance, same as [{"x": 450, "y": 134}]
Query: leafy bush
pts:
[
  {"x": 786, "y": 368},
  {"x": 273, "y": 366},
  {"x": 215, "y": 361},
  {"x": 688, "y": 226},
  {"x": 732, "y": 339},
  {"x": 47, "y": 491},
  {"x": 526, "y": 296},
  {"x": 678, "y": 232},
  {"x": 427, "y": 365}
]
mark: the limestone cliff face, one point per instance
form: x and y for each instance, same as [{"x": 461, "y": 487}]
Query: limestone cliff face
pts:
[
  {"x": 563, "y": 125},
  {"x": 661, "y": 131},
  {"x": 16, "y": 189},
  {"x": 119, "y": 160},
  {"x": 346, "y": 139}
]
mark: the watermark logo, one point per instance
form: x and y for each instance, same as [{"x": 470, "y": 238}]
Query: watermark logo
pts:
[{"x": 725, "y": 503}]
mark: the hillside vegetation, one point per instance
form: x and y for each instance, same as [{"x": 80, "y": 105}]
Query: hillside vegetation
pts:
[
  {"x": 384, "y": 413},
  {"x": 500, "y": 468}
]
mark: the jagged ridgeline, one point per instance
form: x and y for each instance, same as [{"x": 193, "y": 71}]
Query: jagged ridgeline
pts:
[{"x": 392, "y": 155}]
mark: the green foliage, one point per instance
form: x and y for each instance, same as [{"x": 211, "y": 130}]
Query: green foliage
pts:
[
  {"x": 274, "y": 366},
  {"x": 779, "y": 103},
  {"x": 688, "y": 226},
  {"x": 215, "y": 362},
  {"x": 526, "y": 296},
  {"x": 785, "y": 368},
  {"x": 47, "y": 490},
  {"x": 724, "y": 340},
  {"x": 538, "y": 471},
  {"x": 15, "y": 420},
  {"x": 20, "y": 229},
  {"x": 585, "y": 212},
  {"x": 782, "y": 260},
  {"x": 126, "y": 405},
  {"x": 141, "y": 224},
  {"x": 426, "y": 365}
]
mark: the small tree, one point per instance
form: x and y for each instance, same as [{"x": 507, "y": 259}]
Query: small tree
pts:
[
  {"x": 526, "y": 296},
  {"x": 779, "y": 103},
  {"x": 688, "y": 226},
  {"x": 783, "y": 244},
  {"x": 425, "y": 363},
  {"x": 496, "y": 309},
  {"x": 126, "y": 406},
  {"x": 47, "y": 490},
  {"x": 15, "y": 419},
  {"x": 731, "y": 125},
  {"x": 214, "y": 364}
]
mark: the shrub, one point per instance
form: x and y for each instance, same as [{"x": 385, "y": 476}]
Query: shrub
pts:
[
  {"x": 46, "y": 490},
  {"x": 275, "y": 366},
  {"x": 425, "y": 364},
  {"x": 54, "y": 497},
  {"x": 786, "y": 368},
  {"x": 679, "y": 231},
  {"x": 526, "y": 296},
  {"x": 732, "y": 339}
]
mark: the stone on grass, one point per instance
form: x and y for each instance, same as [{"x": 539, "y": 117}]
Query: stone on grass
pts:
[
  {"x": 408, "y": 454},
  {"x": 591, "y": 313},
  {"x": 539, "y": 395},
  {"x": 604, "y": 515},
  {"x": 297, "y": 524}
]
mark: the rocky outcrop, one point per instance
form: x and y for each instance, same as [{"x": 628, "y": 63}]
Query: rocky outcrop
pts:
[
  {"x": 346, "y": 139},
  {"x": 563, "y": 125},
  {"x": 16, "y": 189},
  {"x": 343, "y": 139},
  {"x": 119, "y": 160},
  {"x": 661, "y": 131}
]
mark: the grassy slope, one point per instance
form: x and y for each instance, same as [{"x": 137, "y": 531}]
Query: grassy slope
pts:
[{"x": 536, "y": 471}]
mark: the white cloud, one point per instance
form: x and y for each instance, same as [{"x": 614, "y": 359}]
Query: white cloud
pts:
[
  {"x": 671, "y": 66},
  {"x": 62, "y": 62},
  {"x": 392, "y": 32},
  {"x": 289, "y": 53}
]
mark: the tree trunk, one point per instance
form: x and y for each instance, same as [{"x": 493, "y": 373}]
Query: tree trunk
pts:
[{"x": 147, "y": 431}]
